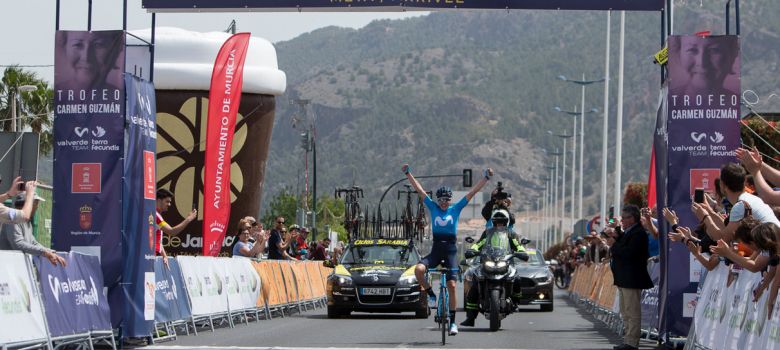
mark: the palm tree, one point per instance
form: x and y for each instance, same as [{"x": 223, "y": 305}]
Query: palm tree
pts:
[{"x": 34, "y": 108}]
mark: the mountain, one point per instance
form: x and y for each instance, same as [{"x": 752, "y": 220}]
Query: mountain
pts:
[{"x": 476, "y": 89}]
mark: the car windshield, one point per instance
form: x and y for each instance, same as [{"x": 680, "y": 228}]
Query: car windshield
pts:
[
  {"x": 535, "y": 258},
  {"x": 380, "y": 255}
]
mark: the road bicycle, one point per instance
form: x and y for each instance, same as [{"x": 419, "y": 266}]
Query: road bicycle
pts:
[
  {"x": 413, "y": 222},
  {"x": 442, "y": 316},
  {"x": 351, "y": 208}
]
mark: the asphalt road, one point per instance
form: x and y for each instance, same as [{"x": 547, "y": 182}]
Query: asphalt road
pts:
[{"x": 566, "y": 328}]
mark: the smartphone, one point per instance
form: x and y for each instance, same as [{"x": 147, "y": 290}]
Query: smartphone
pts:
[
  {"x": 698, "y": 195},
  {"x": 20, "y": 187},
  {"x": 611, "y": 213}
]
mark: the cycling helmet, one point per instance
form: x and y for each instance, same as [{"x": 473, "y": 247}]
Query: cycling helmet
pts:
[
  {"x": 500, "y": 216},
  {"x": 444, "y": 191}
]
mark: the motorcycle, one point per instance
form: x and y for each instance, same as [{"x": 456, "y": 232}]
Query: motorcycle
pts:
[{"x": 493, "y": 272}]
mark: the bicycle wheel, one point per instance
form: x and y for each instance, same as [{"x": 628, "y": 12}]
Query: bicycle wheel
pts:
[{"x": 443, "y": 319}]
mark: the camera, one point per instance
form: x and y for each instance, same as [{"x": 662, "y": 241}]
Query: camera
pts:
[{"x": 500, "y": 194}]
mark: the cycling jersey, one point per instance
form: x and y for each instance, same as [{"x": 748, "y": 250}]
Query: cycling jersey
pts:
[{"x": 445, "y": 222}]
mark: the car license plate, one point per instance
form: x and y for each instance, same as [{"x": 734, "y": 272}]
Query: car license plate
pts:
[{"x": 376, "y": 291}]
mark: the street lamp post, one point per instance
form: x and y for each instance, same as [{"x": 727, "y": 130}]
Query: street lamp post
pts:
[
  {"x": 605, "y": 126},
  {"x": 574, "y": 165},
  {"x": 553, "y": 192},
  {"x": 22, "y": 88},
  {"x": 582, "y": 83},
  {"x": 563, "y": 181},
  {"x": 619, "y": 128}
]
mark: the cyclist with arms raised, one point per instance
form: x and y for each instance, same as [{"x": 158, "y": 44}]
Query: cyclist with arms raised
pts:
[{"x": 444, "y": 220}]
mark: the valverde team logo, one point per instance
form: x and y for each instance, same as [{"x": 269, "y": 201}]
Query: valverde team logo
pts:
[{"x": 85, "y": 217}]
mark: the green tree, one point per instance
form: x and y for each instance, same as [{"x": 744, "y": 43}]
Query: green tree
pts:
[
  {"x": 283, "y": 204},
  {"x": 330, "y": 212},
  {"x": 34, "y": 108}
]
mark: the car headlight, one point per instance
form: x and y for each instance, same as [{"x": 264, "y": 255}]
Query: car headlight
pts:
[
  {"x": 407, "y": 281},
  {"x": 341, "y": 281},
  {"x": 543, "y": 279}
]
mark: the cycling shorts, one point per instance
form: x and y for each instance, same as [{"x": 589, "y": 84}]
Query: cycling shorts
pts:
[{"x": 446, "y": 251}]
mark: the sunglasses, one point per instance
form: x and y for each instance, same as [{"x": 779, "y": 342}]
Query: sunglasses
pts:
[
  {"x": 444, "y": 199},
  {"x": 280, "y": 222}
]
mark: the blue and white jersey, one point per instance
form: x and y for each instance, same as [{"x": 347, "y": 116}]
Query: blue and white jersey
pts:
[{"x": 445, "y": 222}]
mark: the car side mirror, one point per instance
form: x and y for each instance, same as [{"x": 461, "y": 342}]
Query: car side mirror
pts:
[
  {"x": 521, "y": 255},
  {"x": 525, "y": 241},
  {"x": 470, "y": 254},
  {"x": 328, "y": 263},
  {"x": 463, "y": 262},
  {"x": 469, "y": 240}
]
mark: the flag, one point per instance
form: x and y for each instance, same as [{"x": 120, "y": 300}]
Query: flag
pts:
[{"x": 224, "y": 99}]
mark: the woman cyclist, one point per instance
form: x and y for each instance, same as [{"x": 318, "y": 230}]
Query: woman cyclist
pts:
[{"x": 444, "y": 220}]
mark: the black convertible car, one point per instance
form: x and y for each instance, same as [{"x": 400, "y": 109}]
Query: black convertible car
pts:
[{"x": 376, "y": 275}]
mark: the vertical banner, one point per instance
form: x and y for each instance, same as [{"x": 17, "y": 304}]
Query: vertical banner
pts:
[
  {"x": 703, "y": 135},
  {"x": 138, "y": 208},
  {"x": 659, "y": 161},
  {"x": 89, "y": 100},
  {"x": 224, "y": 97}
]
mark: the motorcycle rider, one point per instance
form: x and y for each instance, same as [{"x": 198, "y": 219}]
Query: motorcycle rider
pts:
[{"x": 500, "y": 219}]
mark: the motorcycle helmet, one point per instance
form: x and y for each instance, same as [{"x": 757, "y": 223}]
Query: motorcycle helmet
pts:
[
  {"x": 499, "y": 216},
  {"x": 444, "y": 192}
]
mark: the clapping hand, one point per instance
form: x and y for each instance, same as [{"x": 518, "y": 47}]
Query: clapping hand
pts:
[
  {"x": 751, "y": 159},
  {"x": 721, "y": 249},
  {"x": 671, "y": 216}
]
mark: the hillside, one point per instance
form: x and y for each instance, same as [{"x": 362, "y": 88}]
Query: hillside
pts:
[{"x": 477, "y": 88}]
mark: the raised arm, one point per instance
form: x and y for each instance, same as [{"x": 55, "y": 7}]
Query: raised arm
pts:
[
  {"x": 416, "y": 184},
  {"x": 487, "y": 173},
  {"x": 762, "y": 173},
  {"x": 175, "y": 230}
]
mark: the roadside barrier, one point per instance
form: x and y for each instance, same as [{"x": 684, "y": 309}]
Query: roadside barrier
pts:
[
  {"x": 76, "y": 308},
  {"x": 171, "y": 301},
  {"x": 725, "y": 315},
  {"x": 68, "y": 305},
  {"x": 21, "y": 303}
]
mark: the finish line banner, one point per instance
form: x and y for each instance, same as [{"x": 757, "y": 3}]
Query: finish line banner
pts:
[
  {"x": 396, "y": 5},
  {"x": 703, "y": 135},
  {"x": 89, "y": 99}
]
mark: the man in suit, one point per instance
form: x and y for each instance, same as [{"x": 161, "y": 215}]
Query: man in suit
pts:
[{"x": 629, "y": 268}]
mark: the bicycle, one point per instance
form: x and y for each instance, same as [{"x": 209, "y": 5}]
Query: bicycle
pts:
[
  {"x": 351, "y": 208},
  {"x": 442, "y": 316},
  {"x": 413, "y": 224}
]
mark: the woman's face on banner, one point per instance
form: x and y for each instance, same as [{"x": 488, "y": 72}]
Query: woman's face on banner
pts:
[
  {"x": 89, "y": 55},
  {"x": 707, "y": 62}
]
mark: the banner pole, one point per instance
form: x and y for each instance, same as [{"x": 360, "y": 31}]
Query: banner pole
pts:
[{"x": 89, "y": 15}]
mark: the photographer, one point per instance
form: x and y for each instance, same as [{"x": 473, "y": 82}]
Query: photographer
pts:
[
  {"x": 11, "y": 215},
  {"x": 498, "y": 200},
  {"x": 19, "y": 236}
]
